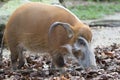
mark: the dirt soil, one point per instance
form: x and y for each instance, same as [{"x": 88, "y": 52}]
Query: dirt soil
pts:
[{"x": 105, "y": 36}]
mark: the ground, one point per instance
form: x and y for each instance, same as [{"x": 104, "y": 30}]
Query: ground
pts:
[
  {"x": 105, "y": 36},
  {"x": 108, "y": 59}
]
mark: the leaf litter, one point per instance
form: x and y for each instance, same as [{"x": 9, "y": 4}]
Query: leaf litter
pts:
[{"x": 40, "y": 67}]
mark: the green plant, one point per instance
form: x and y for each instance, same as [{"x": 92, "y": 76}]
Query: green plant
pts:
[{"x": 93, "y": 11}]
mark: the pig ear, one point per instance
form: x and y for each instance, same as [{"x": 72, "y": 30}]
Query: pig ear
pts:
[{"x": 66, "y": 26}]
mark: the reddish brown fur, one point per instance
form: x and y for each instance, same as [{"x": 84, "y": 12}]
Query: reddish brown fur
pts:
[{"x": 29, "y": 25}]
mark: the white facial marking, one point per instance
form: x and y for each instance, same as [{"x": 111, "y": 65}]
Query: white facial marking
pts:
[{"x": 88, "y": 58}]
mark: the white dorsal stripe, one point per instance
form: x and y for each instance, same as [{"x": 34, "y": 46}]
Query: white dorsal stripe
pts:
[{"x": 68, "y": 11}]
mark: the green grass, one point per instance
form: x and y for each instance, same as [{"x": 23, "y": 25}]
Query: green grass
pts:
[
  {"x": 94, "y": 11},
  {"x": 9, "y": 7},
  {"x": 91, "y": 11}
]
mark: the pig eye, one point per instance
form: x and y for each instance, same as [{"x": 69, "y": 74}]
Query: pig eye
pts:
[{"x": 81, "y": 42}]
